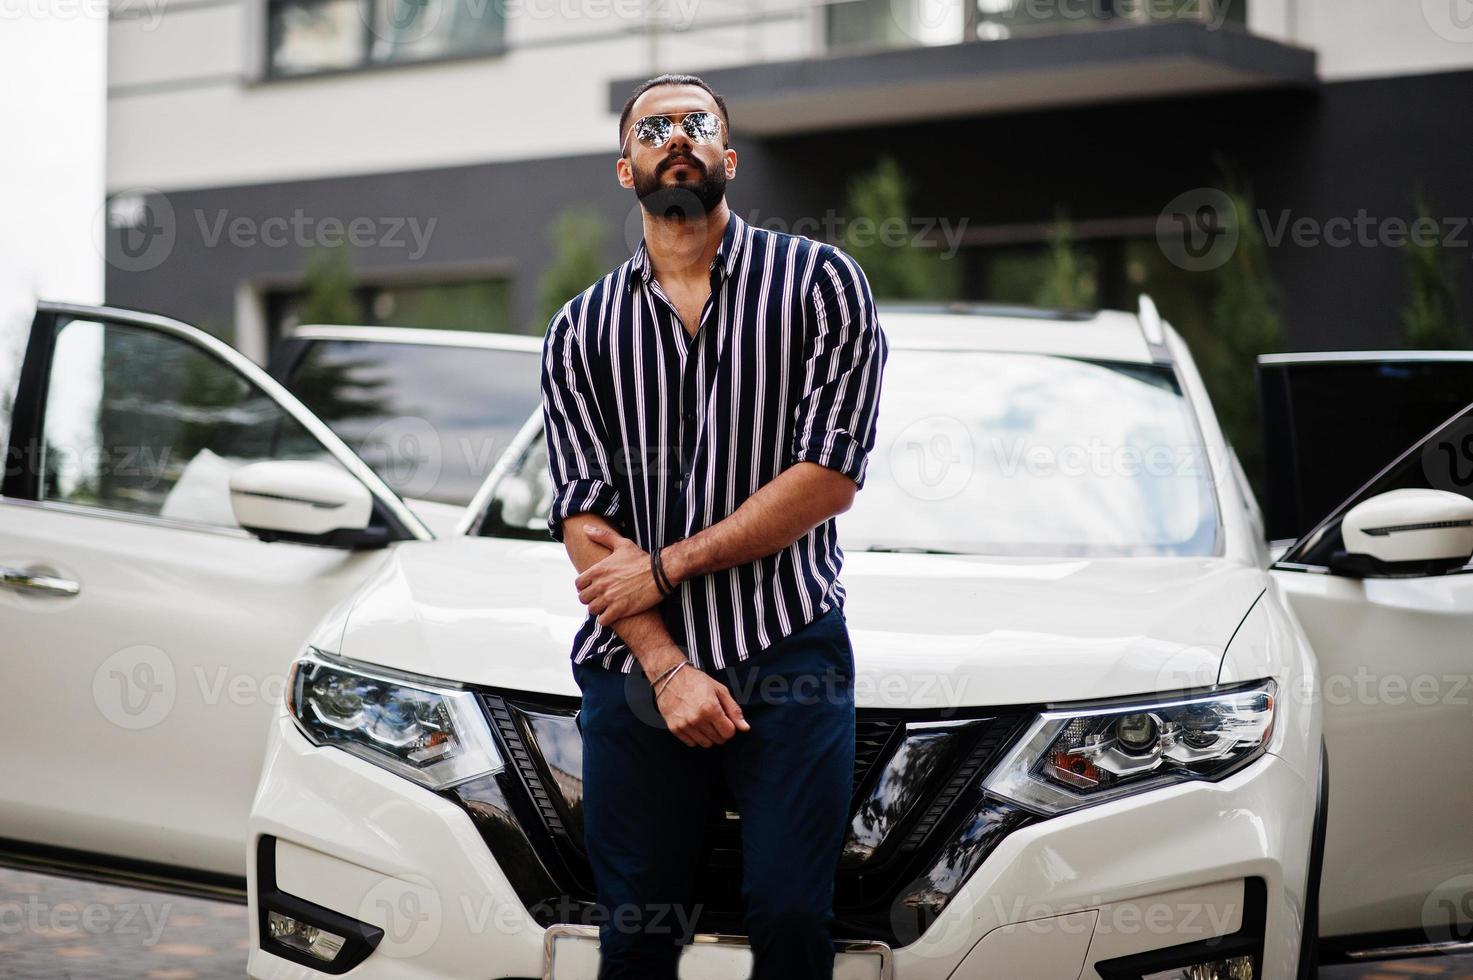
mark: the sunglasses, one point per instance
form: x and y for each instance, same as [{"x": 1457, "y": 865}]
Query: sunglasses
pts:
[{"x": 702, "y": 126}]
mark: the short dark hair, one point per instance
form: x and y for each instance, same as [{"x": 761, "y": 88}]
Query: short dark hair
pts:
[{"x": 670, "y": 78}]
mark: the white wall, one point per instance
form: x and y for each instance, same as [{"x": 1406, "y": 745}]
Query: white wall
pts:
[
  {"x": 1372, "y": 38},
  {"x": 185, "y": 110},
  {"x": 53, "y": 113}
]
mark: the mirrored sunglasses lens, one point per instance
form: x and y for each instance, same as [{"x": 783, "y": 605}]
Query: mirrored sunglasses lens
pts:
[
  {"x": 703, "y": 127},
  {"x": 653, "y": 130}
]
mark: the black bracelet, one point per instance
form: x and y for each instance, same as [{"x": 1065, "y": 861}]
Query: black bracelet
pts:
[
  {"x": 657, "y": 569},
  {"x": 669, "y": 586}
]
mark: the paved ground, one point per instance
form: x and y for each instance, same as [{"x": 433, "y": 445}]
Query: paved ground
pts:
[{"x": 60, "y": 929}]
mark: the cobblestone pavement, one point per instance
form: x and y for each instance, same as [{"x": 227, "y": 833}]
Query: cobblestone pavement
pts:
[{"x": 62, "y": 929}]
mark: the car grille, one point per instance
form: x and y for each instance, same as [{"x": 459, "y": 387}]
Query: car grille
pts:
[{"x": 919, "y": 823}]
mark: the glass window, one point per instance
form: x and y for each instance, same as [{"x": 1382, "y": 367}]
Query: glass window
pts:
[
  {"x": 1001, "y": 454},
  {"x": 522, "y": 498},
  {"x": 430, "y": 420},
  {"x": 1441, "y": 461},
  {"x": 1025, "y": 454},
  {"x": 305, "y": 36},
  {"x": 141, "y": 421},
  {"x": 13, "y": 337},
  {"x": 860, "y": 24},
  {"x": 1001, "y": 19}
]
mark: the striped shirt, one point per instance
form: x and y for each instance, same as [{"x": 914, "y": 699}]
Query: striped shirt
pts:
[{"x": 665, "y": 433}]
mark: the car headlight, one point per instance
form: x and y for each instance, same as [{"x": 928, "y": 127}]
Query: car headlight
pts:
[
  {"x": 1070, "y": 759},
  {"x": 432, "y": 732}
]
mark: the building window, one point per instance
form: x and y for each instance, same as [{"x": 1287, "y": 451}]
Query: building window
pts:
[
  {"x": 309, "y": 36},
  {"x": 471, "y": 304},
  {"x": 1001, "y": 19},
  {"x": 856, "y": 25},
  {"x": 861, "y": 24}
]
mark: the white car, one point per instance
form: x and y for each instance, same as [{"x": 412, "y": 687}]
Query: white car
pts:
[{"x": 1090, "y": 719}]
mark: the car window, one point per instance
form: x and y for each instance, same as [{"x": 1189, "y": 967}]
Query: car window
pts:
[
  {"x": 145, "y": 422},
  {"x": 431, "y": 420},
  {"x": 981, "y": 452},
  {"x": 13, "y": 336},
  {"x": 1443, "y": 460}
]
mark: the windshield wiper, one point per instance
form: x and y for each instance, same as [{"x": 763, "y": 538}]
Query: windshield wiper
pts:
[{"x": 905, "y": 550}]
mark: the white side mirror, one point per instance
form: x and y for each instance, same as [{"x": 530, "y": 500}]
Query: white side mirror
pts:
[
  {"x": 1411, "y": 528},
  {"x": 301, "y": 500}
]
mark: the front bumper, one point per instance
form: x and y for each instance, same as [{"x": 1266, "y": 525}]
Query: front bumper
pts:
[{"x": 1072, "y": 896}]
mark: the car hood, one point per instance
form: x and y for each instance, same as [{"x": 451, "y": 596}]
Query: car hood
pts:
[{"x": 928, "y": 630}]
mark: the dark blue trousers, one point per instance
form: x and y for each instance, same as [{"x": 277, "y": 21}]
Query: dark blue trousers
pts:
[{"x": 646, "y": 794}]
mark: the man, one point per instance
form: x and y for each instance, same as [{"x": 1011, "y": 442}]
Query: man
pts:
[{"x": 710, "y": 406}]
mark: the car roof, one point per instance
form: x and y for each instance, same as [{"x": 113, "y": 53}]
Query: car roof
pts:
[
  {"x": 1102, "y": 335},
  {"x": 419, "y": 335}
]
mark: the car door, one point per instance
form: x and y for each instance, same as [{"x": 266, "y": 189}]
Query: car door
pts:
[
  {"x": 144, "y": 636},
  {"x": 1395, "y": 651}
]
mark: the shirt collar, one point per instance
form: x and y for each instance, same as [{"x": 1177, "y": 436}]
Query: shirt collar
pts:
[{"x": 728, "y": 253}]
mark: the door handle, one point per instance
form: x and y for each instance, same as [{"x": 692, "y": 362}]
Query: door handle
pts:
[{"x": 35, "y": 580}]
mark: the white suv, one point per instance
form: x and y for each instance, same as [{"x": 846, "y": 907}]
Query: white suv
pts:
[{"x": 1089, "y": 716}]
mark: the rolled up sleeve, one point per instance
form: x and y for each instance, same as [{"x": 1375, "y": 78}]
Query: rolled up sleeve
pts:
[
  {"x": 577, "y": 453},
  {"x": 843, "y": 365}
]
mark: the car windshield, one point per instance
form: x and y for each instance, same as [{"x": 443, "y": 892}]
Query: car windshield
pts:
[
  {"x": 988, "y": 453},
  {"x": 981, "y": 452}
]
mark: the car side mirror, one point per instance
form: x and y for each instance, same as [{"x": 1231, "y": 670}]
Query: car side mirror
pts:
[
  {"x": 304, "y": 501},
  {"x": 1406, "y": 532}
]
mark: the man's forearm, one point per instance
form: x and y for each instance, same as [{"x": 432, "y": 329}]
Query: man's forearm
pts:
[
  {"x": 800, "y": 498},
  {"x": 644, "y": 632}
]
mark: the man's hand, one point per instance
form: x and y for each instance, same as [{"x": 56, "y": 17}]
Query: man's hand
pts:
[
  {"x": 622, "y": 583},
  {"x": 699, "y": 710}
]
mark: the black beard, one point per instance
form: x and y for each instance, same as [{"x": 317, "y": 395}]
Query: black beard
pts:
[{"x": 680, "y": 201}]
